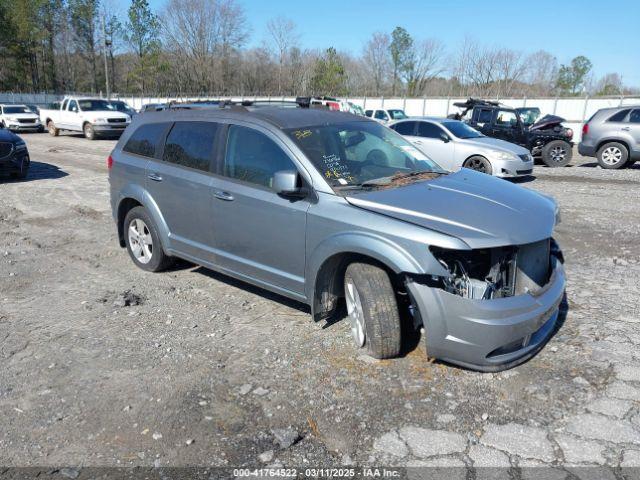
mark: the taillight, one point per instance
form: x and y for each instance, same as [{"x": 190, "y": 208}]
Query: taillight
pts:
[
  {"x": 109, "y": 162},
  {"x": 585, "y": 129},
  {"x": 333, "y": 106}
]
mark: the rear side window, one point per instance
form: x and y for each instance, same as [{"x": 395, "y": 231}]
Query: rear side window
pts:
[
  {"x": 635, "y": 116},
  {"x": 483, "y": 115},
  {"x": 146, "y": 140},
  {"x": 253, "y": 157},
  {"x": 381, "y": 115},
  {"x": 368, "y": 113},
  {"x": 191, "y": 144},
  {"x": 619, "y": 117},
  {"x": 405, "y": 128}
]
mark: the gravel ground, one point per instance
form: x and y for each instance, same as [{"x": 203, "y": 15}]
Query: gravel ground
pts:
[{"x": 102, "y": 364}]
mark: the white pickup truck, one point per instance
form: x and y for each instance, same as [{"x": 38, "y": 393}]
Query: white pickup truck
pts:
[{"x": 94, "y": 117}]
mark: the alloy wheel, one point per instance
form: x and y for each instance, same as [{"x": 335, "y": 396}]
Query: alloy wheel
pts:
[
  {"x": 477, "y": 165},
  {"x": 356, "y": 313},
  {"x": 558, "y": 153},
  {"x": 140, "y": 241},
  {"x": 611, "y": 155}
]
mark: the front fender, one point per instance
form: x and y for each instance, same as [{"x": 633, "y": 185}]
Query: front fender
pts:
[{"x": 394, "y": 256}]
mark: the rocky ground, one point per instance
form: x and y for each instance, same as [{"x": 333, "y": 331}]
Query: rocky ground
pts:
[{"x": 102, "y": 364}]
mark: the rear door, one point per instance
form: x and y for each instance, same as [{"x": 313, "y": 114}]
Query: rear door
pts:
[
  {"x": 180, "y": 183},
  {"x": 263, "y": 234},
  {"x": 407, "y": 129},
  {"x": 632, "y": 128}
]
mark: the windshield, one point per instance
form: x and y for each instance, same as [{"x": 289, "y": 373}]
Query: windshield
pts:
[
  {"x": 462, "y": 130},
  {"x": 361, "y": 154},
  {"x": 397, "y": 114},
  {"x": 121, "y": 107},
  {"x": 16, "y": 109},
  {"x": 94, "y": 105},
  {"x": 529, "y": 116}
]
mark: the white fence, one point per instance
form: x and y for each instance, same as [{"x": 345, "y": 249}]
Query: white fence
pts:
[{"x": 575, "y": 110}]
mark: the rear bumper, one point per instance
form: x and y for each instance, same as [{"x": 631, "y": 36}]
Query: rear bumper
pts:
[
  {"x": 488, "y": 335},
  {"x": 586, "y": 150}
]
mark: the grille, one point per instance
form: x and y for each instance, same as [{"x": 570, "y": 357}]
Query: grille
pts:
[
  {"x": 6, "y": 149},
  {"x": 116, "y": 120},
  {"x": 526, "y": 157},
  {"x": 27, "y": 120}
]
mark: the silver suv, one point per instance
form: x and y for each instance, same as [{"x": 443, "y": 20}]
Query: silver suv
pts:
[
  {"x": 336, "y": 210},
  {"x": 612, "y": 135}
]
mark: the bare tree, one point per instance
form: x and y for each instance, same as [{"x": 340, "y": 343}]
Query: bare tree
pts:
[
  {"x": 377, "y": 60},
  {"x": 283, "y": 36},
  {"x": 424, "y": 64},
  {"x": 542, "y": 71}
]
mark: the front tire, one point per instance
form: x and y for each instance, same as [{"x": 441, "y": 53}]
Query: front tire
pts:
[
  {"x": 557, "y": 153},
  {"x": 24, "y": 171},
  {"x": 613, "y": 156},
  {"x": 89, "y": 132},
  {"x": 53, "y": 131},
  {"x": 373, "y": 310},
  {"x": 143, "y": 242},
  {"x": 479, "y": 164}
]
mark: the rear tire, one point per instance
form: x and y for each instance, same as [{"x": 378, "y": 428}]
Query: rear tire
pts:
[
  {"x": 373, "y": 310},
  {"x": 53, "y": 131},
  {"x": 479, "y": 164},
  {"x": 143, "y": 242},
  {"x": 613, "y": 156},
  {"x": 557, "y": 153}
]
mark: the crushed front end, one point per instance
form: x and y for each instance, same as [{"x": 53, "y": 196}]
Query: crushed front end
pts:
[{"x": 495, "y": 309}]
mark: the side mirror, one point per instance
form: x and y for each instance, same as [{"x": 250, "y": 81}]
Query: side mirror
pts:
[
  {"x": 445, "y": 138},
  {"x": 287, "y": 184}
]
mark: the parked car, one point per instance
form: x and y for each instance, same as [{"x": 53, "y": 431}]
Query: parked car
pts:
[
  {"x": 14, "y": 156},
  {"x": 547, "y": 138},
  {"x": 154, "y": 107},
  {"x": 454, "y": 144},
  {"x": 120, "y": 106},
  {"x": 336, "y": 206},
  {"x": 19, "y": 118},
  {"x": 92, "y": 116},
  {"x": 612, "y": 135},
  {"x": 386, "y": 115}
]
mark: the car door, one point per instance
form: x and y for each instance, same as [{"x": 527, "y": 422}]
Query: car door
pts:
[
  {"x": 381, "y": 116},
  {"x": 263, "y": 238},
  {"x": 632, "y": 128},
  {"x": 71, "y": 116},
  {"x": 506, "y": 125},
  {"x": 179, "y": 182},
  {"x": 434, "y": 142}
]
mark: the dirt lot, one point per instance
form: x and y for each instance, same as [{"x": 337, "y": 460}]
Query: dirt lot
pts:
[{"x": 204, "y": 370}]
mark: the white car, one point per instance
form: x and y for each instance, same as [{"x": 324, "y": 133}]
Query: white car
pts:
[
  {"x": 19, "y": 118},
  {"x": 383, "y": 115},
  {"x": 454, "y": 144},
  {"x": 95, "y": 117}
]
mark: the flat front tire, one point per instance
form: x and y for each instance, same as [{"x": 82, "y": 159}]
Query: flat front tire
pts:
[
  {"x": 143, "y": 242},
  {"x": 373, "y": 310},
  {"x": 613, "y": 156}
]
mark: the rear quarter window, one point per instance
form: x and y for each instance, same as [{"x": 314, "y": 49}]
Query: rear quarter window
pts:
[
  {"x": 146, "y": 140},
  {"x": 619, "y": 116}
]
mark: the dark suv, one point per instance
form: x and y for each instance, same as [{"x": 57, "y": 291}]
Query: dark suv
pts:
[
  {"x": 14, "y": 156},
  {"x": 333, "y": 209},
  {"x": 546, "y": 138}
]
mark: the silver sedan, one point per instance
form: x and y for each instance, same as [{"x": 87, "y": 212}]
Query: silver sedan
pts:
[{"x": 454, "y": 145}]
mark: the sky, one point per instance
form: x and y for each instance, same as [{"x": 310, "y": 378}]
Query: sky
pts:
[{"x": 607, "y": 32}]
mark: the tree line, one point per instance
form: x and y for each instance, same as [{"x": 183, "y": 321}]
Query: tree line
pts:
[{"x": 197, "y": 47}]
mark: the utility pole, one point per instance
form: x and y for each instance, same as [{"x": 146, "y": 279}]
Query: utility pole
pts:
[{"x": 104, "y": 54}]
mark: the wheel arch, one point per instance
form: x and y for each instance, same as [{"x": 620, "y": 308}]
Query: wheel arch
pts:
[
  {"x": 602, "y": 143},
  {"x": 135, "y": 196},
  {"x": 328, "y": 263}
]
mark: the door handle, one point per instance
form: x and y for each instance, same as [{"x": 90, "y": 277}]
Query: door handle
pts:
[
  {"x": 626, "y": 129},
  {"x": 223, "y": 195},
  {"x": 155, "y": 177},
  {"x": 417, "y": 142}
]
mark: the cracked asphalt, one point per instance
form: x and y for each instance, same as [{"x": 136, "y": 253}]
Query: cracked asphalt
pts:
[{"x": 194, "y": 368}]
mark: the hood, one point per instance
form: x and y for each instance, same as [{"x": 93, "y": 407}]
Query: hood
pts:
[
  {"x": 548, "y": 121},
  {"x": 496, "y": 144},
  {"x": 21, "y": 115},
  {"x": 8, "y": 136},
  {"x": 481, "y": 210}
]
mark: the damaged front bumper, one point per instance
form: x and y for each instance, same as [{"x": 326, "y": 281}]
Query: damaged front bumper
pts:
[{"x": 488, "y": 334}]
